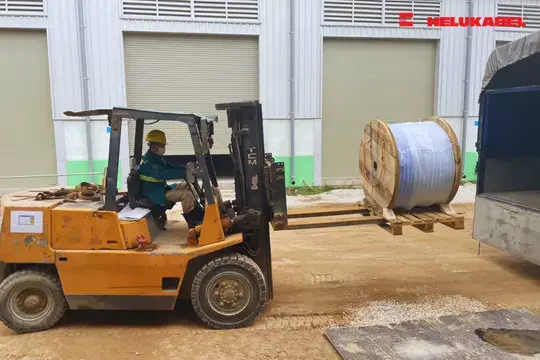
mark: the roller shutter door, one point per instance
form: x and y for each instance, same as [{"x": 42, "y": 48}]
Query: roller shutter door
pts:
[
  {"x": 26, "y": 125},
  {"x": 367, "y": 79},
  {"x": 189, "y": 73}
]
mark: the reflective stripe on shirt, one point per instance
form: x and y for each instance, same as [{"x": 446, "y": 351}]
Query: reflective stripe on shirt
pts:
[{"x": 150, "y": 179}]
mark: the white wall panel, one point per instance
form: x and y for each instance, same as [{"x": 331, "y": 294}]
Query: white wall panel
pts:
[
  {"x": 451, "y": 63},
  {"x": 23, "y": 22},
  {"x": 456, "y": 123},
  {"x": 100, "y": 140},
  {"x": 275, "y": 42},
  {"x": 380, "y": 32},
  {"x": 308, "y": 43},
  {"x": 276, "y": 142},
  {"x": 198, "y": 27},
  {"x": 105, "y": 69},
  {"x": 75, "y": 140},
  {"x": 483, "y": 44},
  {"x": 61, "y": 167},
  {"x": 273, "y": 57},
  {"x": 275, "y": 75},
  {"x": 472, "y": 131},
  {"x": 309, "y": 40},
  {"x": 105, "y": 54},
  {"x": 64, "y": 57},
  {"x": 280, "y": 145},
  {"x": 317, "y": 151},
  {"x": 510, "y": 35}
]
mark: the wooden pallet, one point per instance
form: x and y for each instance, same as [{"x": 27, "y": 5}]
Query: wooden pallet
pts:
[
  {"x": 392, "y": 221},
  {"x": 422, "y": 219},
  {"x": 321, "y": 217}
]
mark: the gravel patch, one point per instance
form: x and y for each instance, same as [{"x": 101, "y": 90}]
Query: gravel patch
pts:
[
  {"x": 465, "y": 195},
  {"x": 393, "y": 312},
  {"x": 334, "y": 197}
]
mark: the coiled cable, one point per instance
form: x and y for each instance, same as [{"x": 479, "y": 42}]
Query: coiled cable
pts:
[{"x": 426, "y": 163}]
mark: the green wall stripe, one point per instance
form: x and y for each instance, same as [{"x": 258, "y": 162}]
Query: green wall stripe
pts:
[
  {"x": 304, "y": 169},
  {"x": 471, "y": 158},
  {"x": 73, "y": 167}
]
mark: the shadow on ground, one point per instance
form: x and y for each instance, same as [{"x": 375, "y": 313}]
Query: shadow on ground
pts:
[
  {"x": 182, "y": 315},
  {"x": 519, "y": 267}
]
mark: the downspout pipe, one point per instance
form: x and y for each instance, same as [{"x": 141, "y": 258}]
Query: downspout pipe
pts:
[
  {"x": 85, "y": 85},
  {"x": 466, "y": 86},
  {"x": 292, "y": 99}
]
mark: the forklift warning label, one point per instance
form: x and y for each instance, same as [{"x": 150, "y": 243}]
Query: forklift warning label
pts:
[
  {"x": 406, "y": 20},
  {"x": 26, "y": 222}
]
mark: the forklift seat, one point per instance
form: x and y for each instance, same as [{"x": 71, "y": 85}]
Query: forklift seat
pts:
[{"x": 135, "y": 199}]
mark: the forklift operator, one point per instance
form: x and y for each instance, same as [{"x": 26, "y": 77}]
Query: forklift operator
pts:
[{"x": 154, "y": 171}]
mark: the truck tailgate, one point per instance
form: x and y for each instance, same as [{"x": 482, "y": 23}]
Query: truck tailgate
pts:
[{"x": 506, "y": 222}]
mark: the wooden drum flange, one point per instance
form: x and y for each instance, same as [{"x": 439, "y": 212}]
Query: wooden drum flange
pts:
[{"x": 379, "y": 163}]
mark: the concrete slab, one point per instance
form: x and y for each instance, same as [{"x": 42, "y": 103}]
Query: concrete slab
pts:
[{"x": 446, "y": 337}]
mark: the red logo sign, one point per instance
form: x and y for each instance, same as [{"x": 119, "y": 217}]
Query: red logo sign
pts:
[{"x": 405, "y": 20}]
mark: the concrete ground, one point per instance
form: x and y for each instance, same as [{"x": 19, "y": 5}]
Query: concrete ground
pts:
[{"x": 322, "y": 277}]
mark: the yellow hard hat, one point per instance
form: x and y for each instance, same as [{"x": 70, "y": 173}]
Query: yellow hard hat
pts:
[{"x": 156, "y": 136}]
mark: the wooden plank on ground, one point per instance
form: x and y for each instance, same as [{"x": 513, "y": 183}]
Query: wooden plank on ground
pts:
[
  {"x": 422, "y": 219},
  {"x": 325, "y": 211},
  {"x": 333, "y": 221}
]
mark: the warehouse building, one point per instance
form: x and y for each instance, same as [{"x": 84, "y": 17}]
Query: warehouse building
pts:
[{"x": 321, "y": 68}]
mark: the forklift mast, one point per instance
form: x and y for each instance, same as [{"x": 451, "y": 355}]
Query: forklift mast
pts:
[{"x": 259, "y": 181}]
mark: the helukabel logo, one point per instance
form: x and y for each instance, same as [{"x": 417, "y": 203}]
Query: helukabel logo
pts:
[{"x": 405, "y": 20}]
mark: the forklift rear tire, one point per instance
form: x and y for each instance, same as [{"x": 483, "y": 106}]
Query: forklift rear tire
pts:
[
  {"x": 31, "y": 300},
  {"x": 229, "y": 292}
]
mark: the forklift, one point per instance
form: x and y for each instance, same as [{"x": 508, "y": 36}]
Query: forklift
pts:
[{"x": 121, "y": 253}]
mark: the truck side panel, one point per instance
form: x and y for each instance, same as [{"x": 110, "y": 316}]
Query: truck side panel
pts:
[{"x": 508, "y": 227}]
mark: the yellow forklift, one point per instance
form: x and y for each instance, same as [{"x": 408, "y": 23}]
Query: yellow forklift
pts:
[{"x": 117, "y": 251}]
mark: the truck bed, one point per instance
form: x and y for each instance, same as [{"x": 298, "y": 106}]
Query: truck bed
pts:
[
  {"x": 509, "y": 221},
  {"x": 526, "y": 199}
]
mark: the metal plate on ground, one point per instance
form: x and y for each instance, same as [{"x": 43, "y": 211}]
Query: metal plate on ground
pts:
[{"x": 446, "y": 337}]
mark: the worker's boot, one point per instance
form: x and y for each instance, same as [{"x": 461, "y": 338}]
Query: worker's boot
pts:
[
  {"x": 194, "y": 217},
  {"x": 162, "y": 221}
]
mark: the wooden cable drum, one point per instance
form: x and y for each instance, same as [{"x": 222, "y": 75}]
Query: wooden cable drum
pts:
[{"x": 412, "y": 164}]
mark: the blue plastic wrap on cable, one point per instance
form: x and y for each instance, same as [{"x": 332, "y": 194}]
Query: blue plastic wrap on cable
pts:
[{"x": 426, "y": 163}]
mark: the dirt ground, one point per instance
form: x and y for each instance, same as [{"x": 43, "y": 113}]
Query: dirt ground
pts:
[{"x": 322, "y": 277}]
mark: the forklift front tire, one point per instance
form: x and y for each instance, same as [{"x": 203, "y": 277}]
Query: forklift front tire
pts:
[
  {"x": 31, "y": 300},
  {"x": 229, "y": 292}
]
